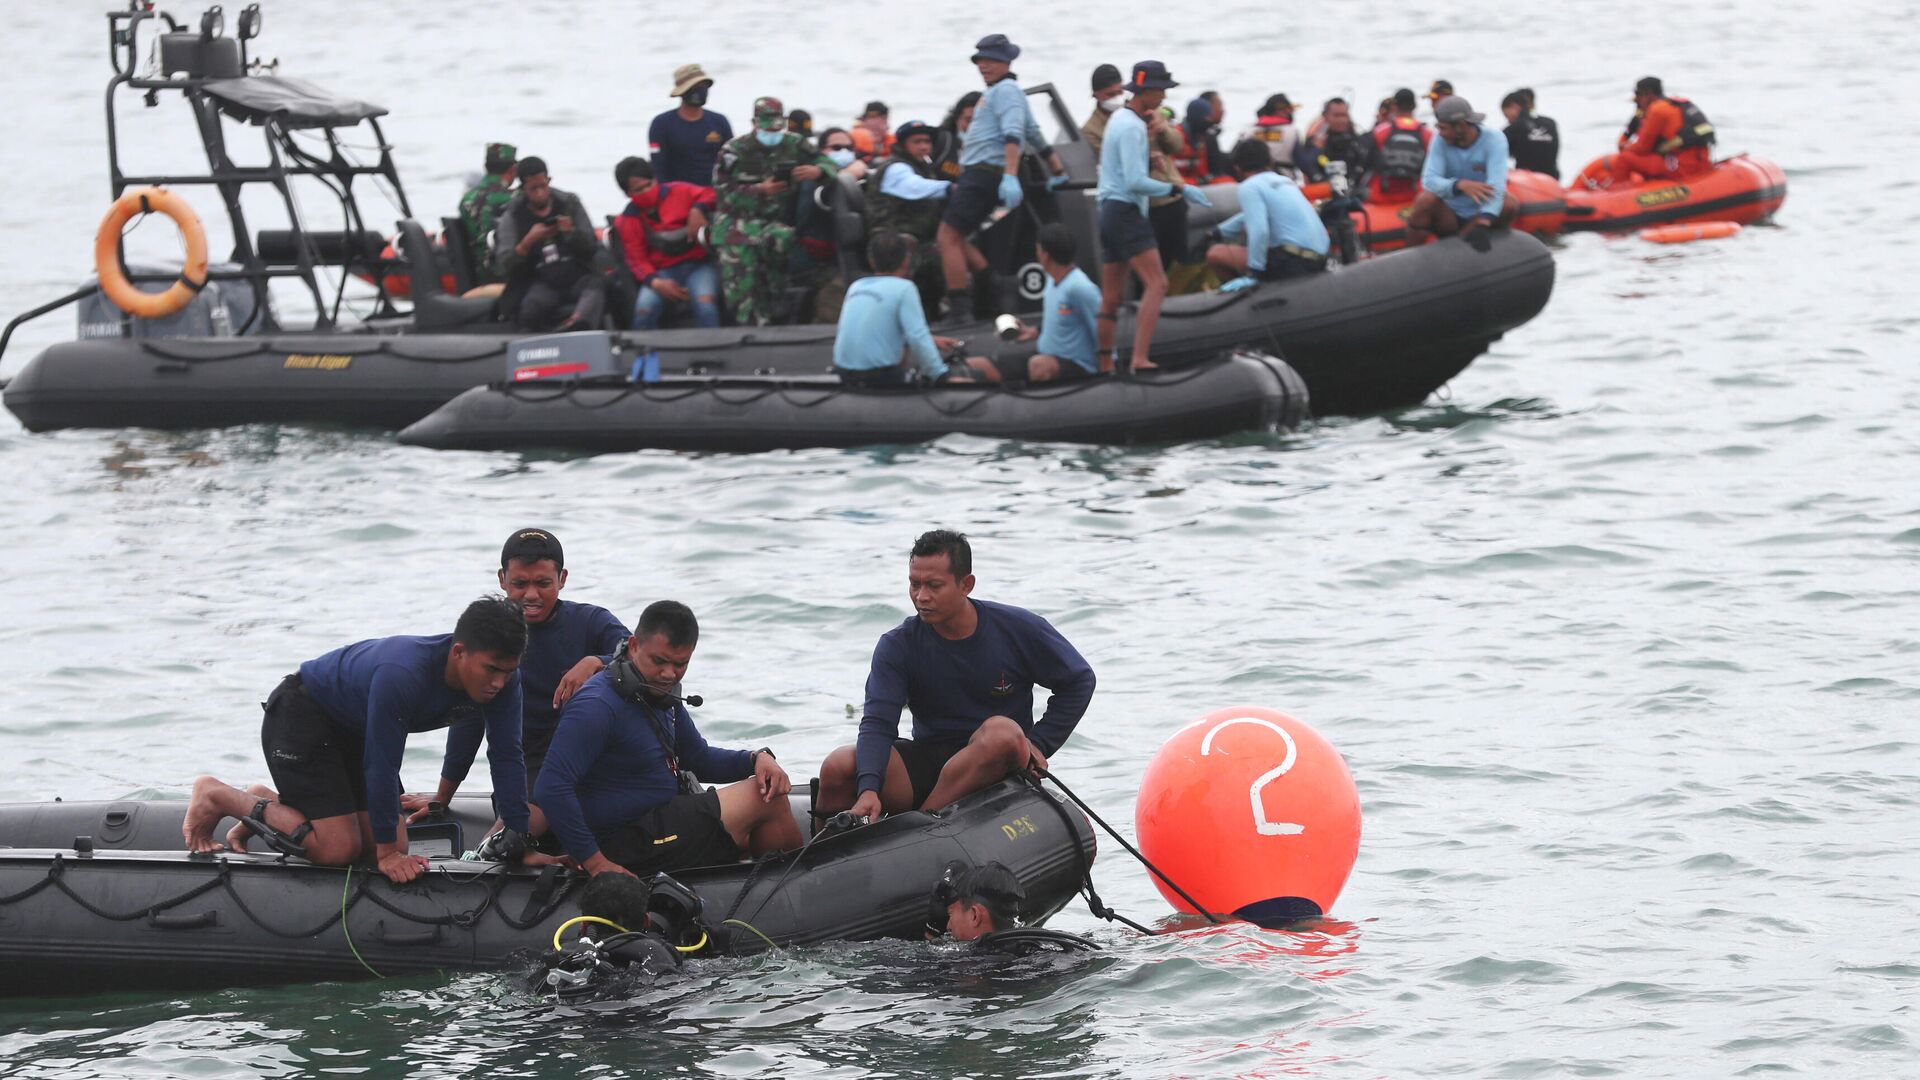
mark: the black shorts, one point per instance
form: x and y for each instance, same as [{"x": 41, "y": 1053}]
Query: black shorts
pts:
[
  {"x": 1169, "y": 221},
  {"x": 924, "y": 758},
  {"x": 684, "y": 831},
  {"x": 972, "y": 199},
  {"x": 1014, "y": 369},
  {"x": 1124, "y": 231},
  {"x": 872, "y": 377},
  {"x": 316, "y": 765},
  {"x": 1285, "y": 264}
]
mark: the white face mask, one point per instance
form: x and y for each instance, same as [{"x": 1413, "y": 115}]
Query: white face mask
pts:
[
  {"x": 841, "y": 157},
  {"x": 1112, "y": 104}
]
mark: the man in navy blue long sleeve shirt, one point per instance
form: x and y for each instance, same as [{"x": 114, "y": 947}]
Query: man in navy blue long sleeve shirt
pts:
[
  {"x": 610, "y": 789},
  {"x": 967, "y": 669},
  {"x": 334, "y": 733},
  {"x": 567, "y": 643}
]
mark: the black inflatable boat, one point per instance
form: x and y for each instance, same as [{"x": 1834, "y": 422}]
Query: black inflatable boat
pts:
[
  {"x": 1378, "y": 334},
  {"x": 99, "y": 896},
  {"x": 1239, "y": 393}
]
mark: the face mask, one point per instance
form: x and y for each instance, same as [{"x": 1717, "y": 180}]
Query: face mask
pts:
[
  {"x": 840, "y": 157},
  {"x": 770, "y": 139},
  {"x": 694, "y": 97},
  {"x": 1112, "y": 104}
]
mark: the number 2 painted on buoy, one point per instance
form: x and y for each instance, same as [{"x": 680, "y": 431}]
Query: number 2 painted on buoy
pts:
[{"x": 1260, "y": 823}]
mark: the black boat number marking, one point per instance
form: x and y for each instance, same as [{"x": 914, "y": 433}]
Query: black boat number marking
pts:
[
  {"x": 1019, "y": 827},
  {"x": 1260, "y": 823},
  {"x": 1033, "y": 281}
]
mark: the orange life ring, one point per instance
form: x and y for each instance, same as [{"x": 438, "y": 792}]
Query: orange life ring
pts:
[{"x": 106, "y": 254}]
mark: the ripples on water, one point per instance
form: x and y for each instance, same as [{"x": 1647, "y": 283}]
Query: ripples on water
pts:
[{"x": 1617, "y": 638}]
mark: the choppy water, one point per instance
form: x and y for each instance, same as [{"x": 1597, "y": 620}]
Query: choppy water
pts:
[{"x": 1619, "y": 639}]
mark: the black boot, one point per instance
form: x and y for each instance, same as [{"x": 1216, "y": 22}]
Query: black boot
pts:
[
  {"x": 986, "y": 301},
  {"x": 959, "y": 306}
]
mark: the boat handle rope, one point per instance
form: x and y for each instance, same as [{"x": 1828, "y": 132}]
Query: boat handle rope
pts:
[
  {"x": 56, "y": 878},
  {"x": 1093, "y": 899}
]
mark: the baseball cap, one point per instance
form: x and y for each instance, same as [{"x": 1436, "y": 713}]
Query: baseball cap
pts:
[
  {"x": 1454, "y": 109},
  {"x": 532, "y": 545}
]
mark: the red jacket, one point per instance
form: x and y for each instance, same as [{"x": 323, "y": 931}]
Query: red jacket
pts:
[{"x": 661, "y": 209}]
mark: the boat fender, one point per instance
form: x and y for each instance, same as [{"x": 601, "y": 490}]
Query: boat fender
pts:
[{"x": 106, "y": 253}]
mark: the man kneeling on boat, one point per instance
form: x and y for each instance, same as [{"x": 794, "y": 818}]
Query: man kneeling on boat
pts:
[
  {"x": 883, "y": 338},
  {"x": 618, "y": 785},
  {"x": 1284, "y": 234},
  {"x": 1464, "y": 182},
  {"x": 335, "y": 731},
  {"x": 967, "y": 669}
]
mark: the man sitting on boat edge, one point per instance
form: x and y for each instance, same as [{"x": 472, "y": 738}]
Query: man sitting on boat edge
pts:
[
  {"x": 335, "y": 731},
  {"x": 967, "y": 669},
  {"x": 615, "y": 785},
  {"x": 883, "y": 338}
]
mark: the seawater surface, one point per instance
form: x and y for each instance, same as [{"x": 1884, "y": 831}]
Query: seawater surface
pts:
[{"x": 1617, "y": 634}]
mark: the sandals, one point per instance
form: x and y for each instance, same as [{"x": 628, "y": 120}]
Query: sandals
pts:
[{"x": 281, "y": 842}]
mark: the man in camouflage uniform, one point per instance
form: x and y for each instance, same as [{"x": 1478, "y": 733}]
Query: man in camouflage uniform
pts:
[
  {"x": 480, "y": 207},
  {"x": 753, "y": 224}
]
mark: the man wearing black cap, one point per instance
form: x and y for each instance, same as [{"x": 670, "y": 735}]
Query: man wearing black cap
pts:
[
  {"x": 1127, "y": 241},
  {"x": 565, "y": 641},
  {"x": 1003, "y": 128},
  {"x": 906, "y": 194},
  {"x": 1441, "y": 88}
]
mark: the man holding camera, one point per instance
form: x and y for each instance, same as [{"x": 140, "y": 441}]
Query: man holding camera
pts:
[
  {"x": 543, "y": 245},
  {"x": 753, "y": 229}
]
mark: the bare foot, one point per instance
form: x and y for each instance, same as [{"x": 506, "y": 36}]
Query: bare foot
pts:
[
  {"x": 1145, "y": 365},
  {"x": 203, "y": 814},
  {"x": 237, "y": 838}
]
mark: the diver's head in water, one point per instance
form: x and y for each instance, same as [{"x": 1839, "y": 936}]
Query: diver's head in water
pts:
[{"x": 985, "y": 899}]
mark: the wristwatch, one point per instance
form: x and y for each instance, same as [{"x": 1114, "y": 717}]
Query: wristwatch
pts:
[{"x": 753, "y": 756}]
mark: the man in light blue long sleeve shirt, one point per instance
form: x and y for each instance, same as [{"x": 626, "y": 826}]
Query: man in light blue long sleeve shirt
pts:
[
  {"x": 1284, "y": 234},
  {"x": 883, "y": 330},
  {"x": 1127, "y": 242},
  {"x": 1464, "y": 183},
  {"x": 1003, "y": 128}
]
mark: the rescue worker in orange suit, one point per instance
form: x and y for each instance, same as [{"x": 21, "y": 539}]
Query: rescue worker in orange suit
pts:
[
  {"x": 1668, "y": 137},
  {"x": 1399, "y": 152}
]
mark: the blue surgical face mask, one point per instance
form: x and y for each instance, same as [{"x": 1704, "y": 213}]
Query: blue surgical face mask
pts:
[
  {"x": 841, "y": 157},
  {"x": 770, "y": 139}
]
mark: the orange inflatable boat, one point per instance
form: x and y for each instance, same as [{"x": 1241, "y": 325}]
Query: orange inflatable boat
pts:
[
  {"x": 1740, "y": 189},
  {"x": 1383, "y": 226}
]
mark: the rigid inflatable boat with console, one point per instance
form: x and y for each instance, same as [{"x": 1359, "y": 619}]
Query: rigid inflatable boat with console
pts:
[{"x": 99, "y": 896}]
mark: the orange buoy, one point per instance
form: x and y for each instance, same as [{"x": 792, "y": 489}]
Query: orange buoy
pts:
[
  {"x": 1681, "y": 234},
  {"x": 1251, "y": 811},
  {"x": 106, "y": 253}
]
